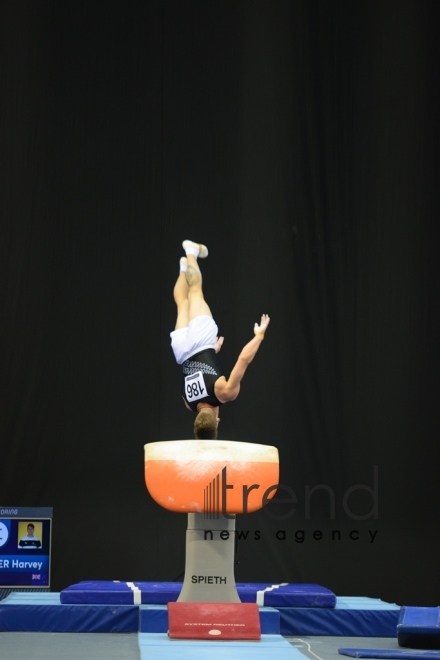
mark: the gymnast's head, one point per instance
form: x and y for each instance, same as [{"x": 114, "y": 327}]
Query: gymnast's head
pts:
[{"x": 205, "y": 424}]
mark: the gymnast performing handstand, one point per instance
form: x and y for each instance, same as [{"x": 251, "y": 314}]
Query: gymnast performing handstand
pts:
[{"x": 195, "y": 344}]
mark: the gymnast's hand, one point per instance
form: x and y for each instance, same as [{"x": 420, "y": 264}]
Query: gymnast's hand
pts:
[
  {"x": 261, "y": 329},
  {"x": 219, "y": 344}
]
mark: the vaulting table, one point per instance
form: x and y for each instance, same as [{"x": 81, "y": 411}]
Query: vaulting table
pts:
[{"x": 212, "y": 481}]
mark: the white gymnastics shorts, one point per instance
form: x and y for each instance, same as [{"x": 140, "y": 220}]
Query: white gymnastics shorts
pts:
[{"x": 200, "y": 334}]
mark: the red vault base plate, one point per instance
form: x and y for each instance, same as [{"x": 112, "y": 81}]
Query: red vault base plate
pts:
[{"x": 214, "y": 621}]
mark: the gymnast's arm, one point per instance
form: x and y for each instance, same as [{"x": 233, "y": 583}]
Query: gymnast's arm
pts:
[
  {"x": 186, "y": 403},
  {"x": 228, "y": 390}
]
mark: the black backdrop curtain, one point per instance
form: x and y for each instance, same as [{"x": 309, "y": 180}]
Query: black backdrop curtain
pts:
[{"x": 299, "y": 140}]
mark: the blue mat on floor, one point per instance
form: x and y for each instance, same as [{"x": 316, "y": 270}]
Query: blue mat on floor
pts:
[
  {"x": 44, "y": 612},
  {"x": 352, "y": 617},
  {"x": 390, "y": 653},
  {"x": 160, "y": 647},
  {"x": 419, "y": 627},
  {"x": 161, "y": 593}
]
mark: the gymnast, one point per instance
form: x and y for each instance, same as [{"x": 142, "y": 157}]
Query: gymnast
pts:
[{"x": 195, "y": 343}]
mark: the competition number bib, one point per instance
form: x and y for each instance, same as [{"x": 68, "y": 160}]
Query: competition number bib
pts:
[{"x": 195, "y": 387}]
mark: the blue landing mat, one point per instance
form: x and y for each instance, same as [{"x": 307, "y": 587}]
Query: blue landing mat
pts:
[
  {"x": 352, "y": 617},
  {"x": 160, "y": 647},
  {"x": 27, "y": 612},
  {"x": 390, "y": 653},
  {"x": 44, "y": 612},
  {"x": 419, "y": 627},
  {"x": 161, "y": 593}
]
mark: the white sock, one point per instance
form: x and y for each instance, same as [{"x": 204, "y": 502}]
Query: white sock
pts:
[
  {"x": 183, "y": 264},
  {"x": 195, "y": 249},
  {"x": 191, "y": 248}
]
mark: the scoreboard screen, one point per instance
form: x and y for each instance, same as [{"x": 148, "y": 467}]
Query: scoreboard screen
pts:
[{"x": 25, "y": 546}]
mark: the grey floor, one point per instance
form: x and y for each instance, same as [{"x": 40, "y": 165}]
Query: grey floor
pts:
[
  {"x": 115, "y": 646},
  {"x": 68, "y": 646}
]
